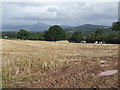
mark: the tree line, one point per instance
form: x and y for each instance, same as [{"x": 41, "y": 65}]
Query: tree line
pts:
[{"x": 57, "y": 33}]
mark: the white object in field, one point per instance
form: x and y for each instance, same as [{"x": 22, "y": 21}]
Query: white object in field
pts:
[
  {"x": 103, "y": 61},
  {"x": 108, "y": 72},
  {"x": 100, "y": 42},
  {"x": 103, "y": 65},
  {"x": 6, "y": 37},
  {"x": 96, "y": 42},
  {"x": 83, "y": 41}
]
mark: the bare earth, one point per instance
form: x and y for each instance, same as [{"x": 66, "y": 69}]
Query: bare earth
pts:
[{"x": 37, "y": 64}]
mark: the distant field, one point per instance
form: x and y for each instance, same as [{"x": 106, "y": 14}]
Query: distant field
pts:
[{"x": 58, "y": 64}]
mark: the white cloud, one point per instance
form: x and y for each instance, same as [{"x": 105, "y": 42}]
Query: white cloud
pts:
[{"x": 33, "y": 12}]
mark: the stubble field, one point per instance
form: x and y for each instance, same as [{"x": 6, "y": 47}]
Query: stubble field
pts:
[{"x": 37, "y": 64}]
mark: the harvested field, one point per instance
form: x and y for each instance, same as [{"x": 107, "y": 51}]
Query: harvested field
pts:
[{"x": 37, "y": 64}]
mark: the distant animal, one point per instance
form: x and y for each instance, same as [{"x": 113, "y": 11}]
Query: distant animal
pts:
[
  {"x": 96, "y": 42},
  {"x": 99, "y": 42}
]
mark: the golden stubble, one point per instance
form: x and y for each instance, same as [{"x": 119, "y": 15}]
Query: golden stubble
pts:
[{"x": 23, "y": 59}]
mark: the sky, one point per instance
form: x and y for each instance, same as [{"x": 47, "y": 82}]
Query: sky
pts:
[
  {"x": 61, "y": 13},
  {"x": 119, "y": 10}
]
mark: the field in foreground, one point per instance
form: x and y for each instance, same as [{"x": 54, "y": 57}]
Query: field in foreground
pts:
[{"x": 36, "y": 64}]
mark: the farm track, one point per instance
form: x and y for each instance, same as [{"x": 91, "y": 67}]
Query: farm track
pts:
[{"x": 66, "y": 65}]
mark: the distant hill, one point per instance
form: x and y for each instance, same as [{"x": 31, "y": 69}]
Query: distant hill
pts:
[
  {"x": 86, "y": 28},
  {"x": 34, "y": 27}
]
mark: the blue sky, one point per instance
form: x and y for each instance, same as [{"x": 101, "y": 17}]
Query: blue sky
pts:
[{"x": 64, "y": 13}]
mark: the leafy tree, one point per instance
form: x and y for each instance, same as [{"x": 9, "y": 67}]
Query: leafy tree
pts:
[
  {"x": 116, "y": 26},
  {"x": 68, "y": 35},
  {"x": 91, "y": 37},
  {"x": 99, "y": 31},
  {"x": 113, "y": 38},
  {"x": 76, "y": 37},
  {"x": 9, "y": 35},
  {"x": 35, "y": 36},
  {"x": 55, "y": 33},
  {"x": 99, "y": 34},
  {"x": 23, "y": 34}
]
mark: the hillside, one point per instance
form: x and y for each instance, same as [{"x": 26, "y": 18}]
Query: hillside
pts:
[
  {"x": 86, "y": 28},
  {"x": 34, "y": 27}
]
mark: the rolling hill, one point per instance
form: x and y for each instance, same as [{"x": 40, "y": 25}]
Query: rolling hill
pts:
[{"x": 86, "y": 28}]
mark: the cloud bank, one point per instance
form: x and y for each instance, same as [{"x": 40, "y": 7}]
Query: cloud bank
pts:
[{"x": 65, "y": 13}]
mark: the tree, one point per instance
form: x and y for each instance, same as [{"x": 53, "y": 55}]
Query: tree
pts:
[
  {"x": 55, "y": 33},
  {"x": 76, "y": 37},
  {"x": 113, "y": 38},
  {"x": 23, "y": 34},
  {"x": 99, "y": 31},
  {"x": 99, "y": 34},
  {"x": 91, "y": 37},
  {"x": 9, "y": 35},
  {"x": 35, "y": 36},
  {"x": 116, "y": 26}
]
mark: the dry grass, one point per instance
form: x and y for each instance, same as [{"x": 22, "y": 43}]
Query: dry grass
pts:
[
  {"x": 0, "y": 64},
  {"x": 24, "y": 60}
]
